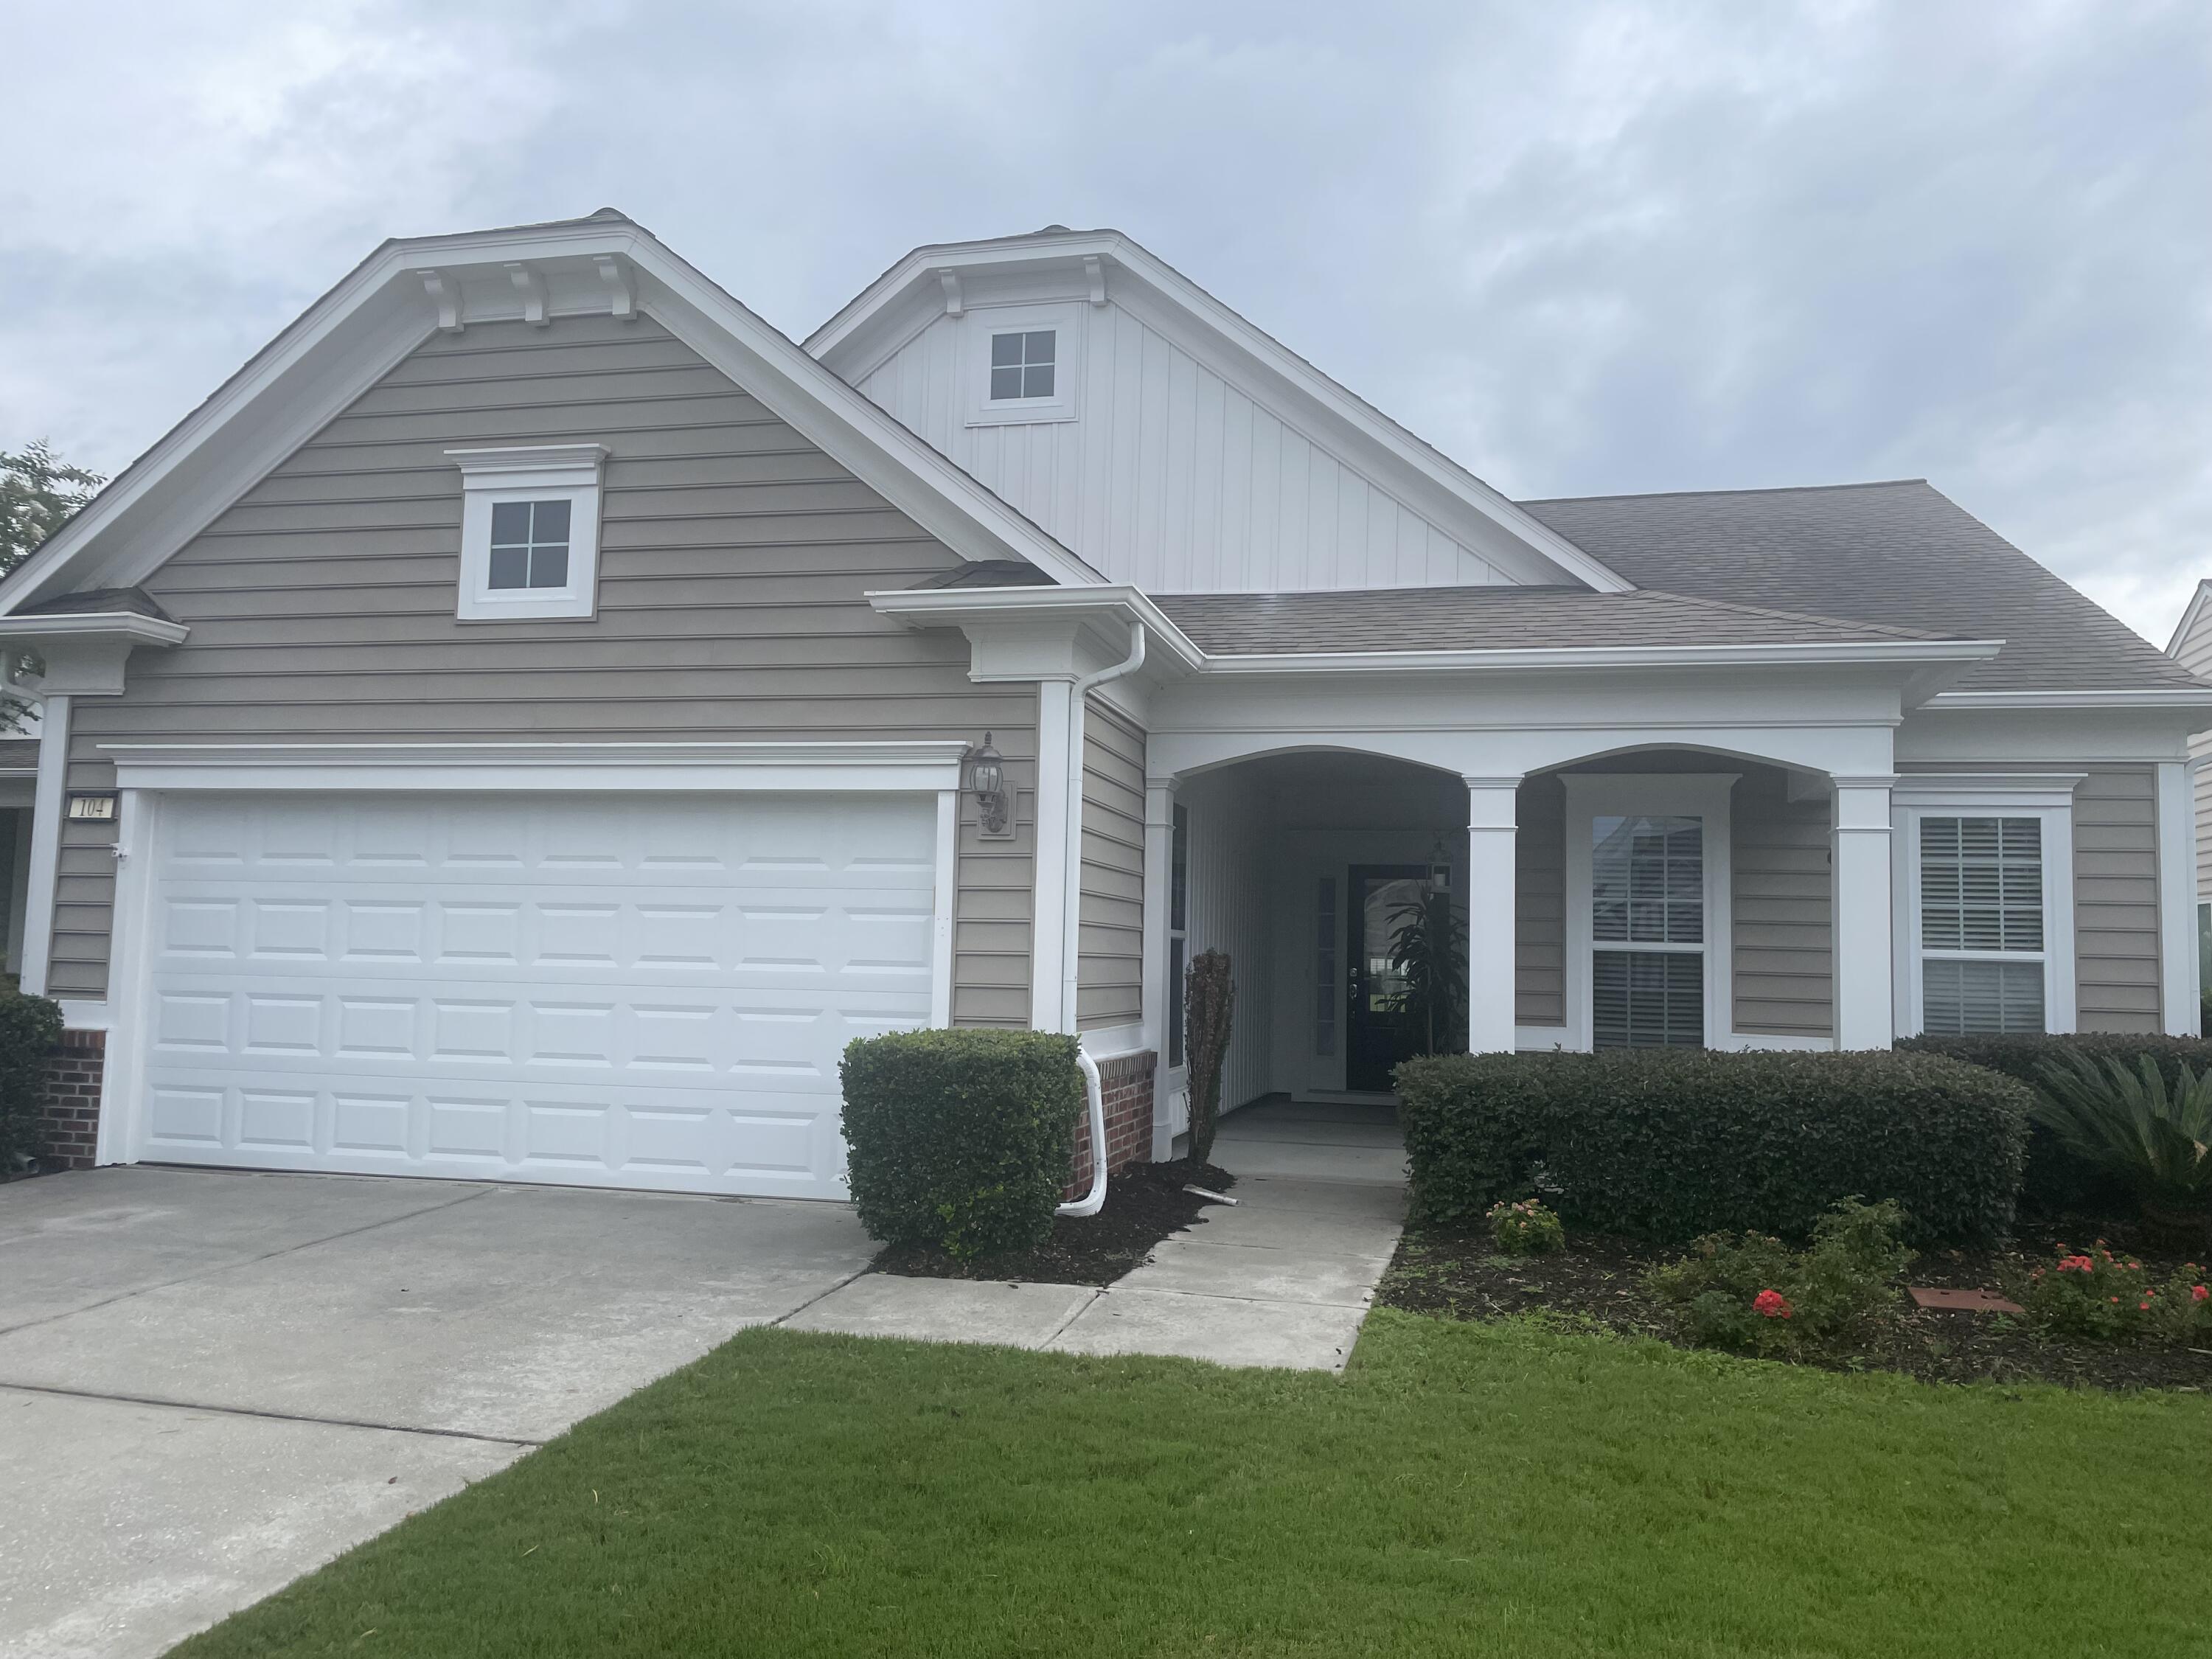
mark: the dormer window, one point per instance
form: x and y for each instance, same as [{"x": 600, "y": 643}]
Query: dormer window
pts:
[
  {"x": 530, "y": 532},
  {"x": 1022, "y": 364}
]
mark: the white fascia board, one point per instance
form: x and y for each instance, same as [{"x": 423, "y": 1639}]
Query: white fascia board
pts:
[
  {"x": 951, "y": 607},
  {"x": 94, "y": 625},
  {"x": 363, "y": 327},
  {"x": 2189, "y": 614},
  {"x": 830, "y": 767},
  {"x": 2176, "y": 697},
  {"x": 954, "y": 607},
  {"x": 1281, "y": 369}
]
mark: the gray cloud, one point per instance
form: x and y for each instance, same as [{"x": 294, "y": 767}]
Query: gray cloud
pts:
[{"x": 1585, "y": 249}]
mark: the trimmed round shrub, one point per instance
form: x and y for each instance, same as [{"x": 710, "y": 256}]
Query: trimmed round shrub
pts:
[
  {"x": 29, "y": 1028},
  {"x": 1670, "y": 1144},
  {"x": 2059, "y": 1182},
  {"x": 960, "y": 1138}
]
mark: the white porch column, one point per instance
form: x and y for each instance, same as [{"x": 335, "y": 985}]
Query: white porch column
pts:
[
  {"x": 1864, "y": 1016},
  {"x": 1490, "y": 839},
  {"x": 1049, "y": 900},
  {"x": 46, "y": 842},
  {"x": 1159, "y": 851},
  {"x": 2179, "y": 1004}
]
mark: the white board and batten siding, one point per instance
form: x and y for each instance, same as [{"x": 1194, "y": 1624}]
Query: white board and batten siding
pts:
[{"x": 1169, "y": 476}]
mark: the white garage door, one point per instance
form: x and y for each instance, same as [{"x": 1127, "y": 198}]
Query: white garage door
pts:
[{"x": 631, "y": 991}]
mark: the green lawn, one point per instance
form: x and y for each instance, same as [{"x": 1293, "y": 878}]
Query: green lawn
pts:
[{"x": 1465, "y": 1489}]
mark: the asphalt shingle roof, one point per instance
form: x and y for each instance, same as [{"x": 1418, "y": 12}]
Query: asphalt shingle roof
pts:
[
  {"x": 1899, "y": 554},
  {"x": 1500, "y": 618}
]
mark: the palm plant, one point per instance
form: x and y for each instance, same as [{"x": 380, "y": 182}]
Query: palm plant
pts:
[
  {"x": 1428, "y": 958},
  {"x": 2156, "y": 1137}
]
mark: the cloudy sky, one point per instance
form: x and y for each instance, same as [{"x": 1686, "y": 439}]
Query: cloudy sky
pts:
[{"x": 1586, "y": 247}]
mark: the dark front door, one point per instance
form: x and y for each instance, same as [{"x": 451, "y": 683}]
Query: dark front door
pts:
[{"x": 1377, "y": 1036}]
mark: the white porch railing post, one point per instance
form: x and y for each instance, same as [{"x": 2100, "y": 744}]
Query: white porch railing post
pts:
[
  {"x": 1489, "y": 840},
  {"x": 1865, "y": 1013},
  {"x": 1159, "y": 853}
]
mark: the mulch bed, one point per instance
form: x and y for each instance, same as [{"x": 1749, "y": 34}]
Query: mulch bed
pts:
[
  {"x": 1599, "y": 1279},
  {"x": 1144, "y": 1203}
]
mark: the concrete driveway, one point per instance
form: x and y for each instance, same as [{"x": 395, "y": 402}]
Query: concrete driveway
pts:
[{"x": 212, "y": 1383}]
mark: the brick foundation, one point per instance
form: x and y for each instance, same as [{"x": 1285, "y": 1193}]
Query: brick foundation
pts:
[
  {"x": 1126, "y": 1085},
  {"x": 67, "y": 1128}
]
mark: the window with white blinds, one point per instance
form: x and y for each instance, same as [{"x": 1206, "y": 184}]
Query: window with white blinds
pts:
[
  {"x": 1648, "y": 894},
  {"x": 1982, "y": 941}
]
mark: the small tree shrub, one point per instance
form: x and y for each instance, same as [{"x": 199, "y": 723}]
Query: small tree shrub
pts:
[
  {"x": 2093, "y": 1296},
  {"x": 2059, "y": 1182},
  {"x": 1671, "y": 1143},
  {"x": 1210, "y": 993},
  {"x": 2131, "y": 1124},
  {"x": 960, "y": 1138},
  {"x": 1752, "y": 1292},
  {"x": 1526, "y": 1229},
  {"x": 29, "y": 1028}
]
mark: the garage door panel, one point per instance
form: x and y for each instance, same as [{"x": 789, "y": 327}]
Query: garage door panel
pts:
[{"x": 649, "y": 992}]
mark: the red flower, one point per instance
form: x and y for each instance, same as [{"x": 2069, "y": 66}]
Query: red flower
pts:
[
  {"x": 1771, "y": 1305},
  {"x": 2197, "y": 1293}
]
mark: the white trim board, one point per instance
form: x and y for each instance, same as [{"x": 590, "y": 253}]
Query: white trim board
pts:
[{"x": 830, "y": 767}]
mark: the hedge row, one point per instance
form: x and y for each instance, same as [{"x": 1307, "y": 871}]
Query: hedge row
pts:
[
  {"x": 960, "y": 1138},
  {"x": 1670, "y": 1144},
  {"x": 29, "y": 1028},
  {"x": 2057, "y": 1182}
]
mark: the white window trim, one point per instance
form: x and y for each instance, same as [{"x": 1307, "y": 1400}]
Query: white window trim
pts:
[
  {"x": 546, "y": 472},
  {"x": 2047, "y": 797},
  {"x": 1701, "y": 795},
  {"x": 981, "y": 322}
]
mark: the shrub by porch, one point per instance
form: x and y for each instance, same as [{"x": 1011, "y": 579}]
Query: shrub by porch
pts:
[{"x": 1669, "y": 1144}]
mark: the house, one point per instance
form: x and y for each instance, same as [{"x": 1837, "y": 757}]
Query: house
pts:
[
  {"x": 534, "y": 714},
  {"x": 2191, "y": 647}
]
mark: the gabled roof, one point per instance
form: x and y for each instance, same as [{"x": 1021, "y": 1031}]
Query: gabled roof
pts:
[
  {"x": 1899, "y": 554},
  {"x": 901, "y": 301},
  {"x": 410, "y": 288},
  {"x": 1491, "y": 618}
]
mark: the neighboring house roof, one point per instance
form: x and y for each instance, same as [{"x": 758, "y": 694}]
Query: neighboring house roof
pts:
[
  {"x": 1899, "y": 554},
  {"x": 886, "y": 313},
  {"x": 1498, "y": 618},
  {"x": 2190, "y": 614},
  {"x": 407, "y": 290}
]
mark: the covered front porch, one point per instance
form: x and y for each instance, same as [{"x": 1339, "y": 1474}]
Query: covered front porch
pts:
[{"x": 1657, "y": 894}]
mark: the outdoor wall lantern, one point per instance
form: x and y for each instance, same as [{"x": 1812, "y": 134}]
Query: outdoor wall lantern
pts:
[
  {"x": 1440, "y": 865},
  {"x": 986, "y": 777}
]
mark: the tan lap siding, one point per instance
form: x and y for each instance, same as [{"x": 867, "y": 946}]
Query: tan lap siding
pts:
[
  {"x": 1540, "y": 903},
  {"x": 1779, "y": 850},
  {"x": 2116, "y": 900},
  {"x": 734, "y": 556},
  {"x": 1110, "y": 940}
]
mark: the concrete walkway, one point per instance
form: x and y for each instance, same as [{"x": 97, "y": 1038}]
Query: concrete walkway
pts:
[{"x": 1284, "y": 1277}]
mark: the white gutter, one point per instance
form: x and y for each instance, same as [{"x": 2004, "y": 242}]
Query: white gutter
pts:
[{"x": 1072, "y": 912}]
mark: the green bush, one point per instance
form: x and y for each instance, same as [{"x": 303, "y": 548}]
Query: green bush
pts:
[
  {"x": 960, "y": 1138},
  {"x": 1526, "y": 1229},
  {"x": 2093, "y": 1296},
  {"x": 2134, "y": 1127},
  {"x": 1753, "y": 1293},
  {"x": 1670, "y": 1144},
  {"x": 29, "y": 1028},
  {"x": 2059, "y": 1182}
]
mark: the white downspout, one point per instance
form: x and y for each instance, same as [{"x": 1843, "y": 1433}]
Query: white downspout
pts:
[{"x": 1072, "y": 914}]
